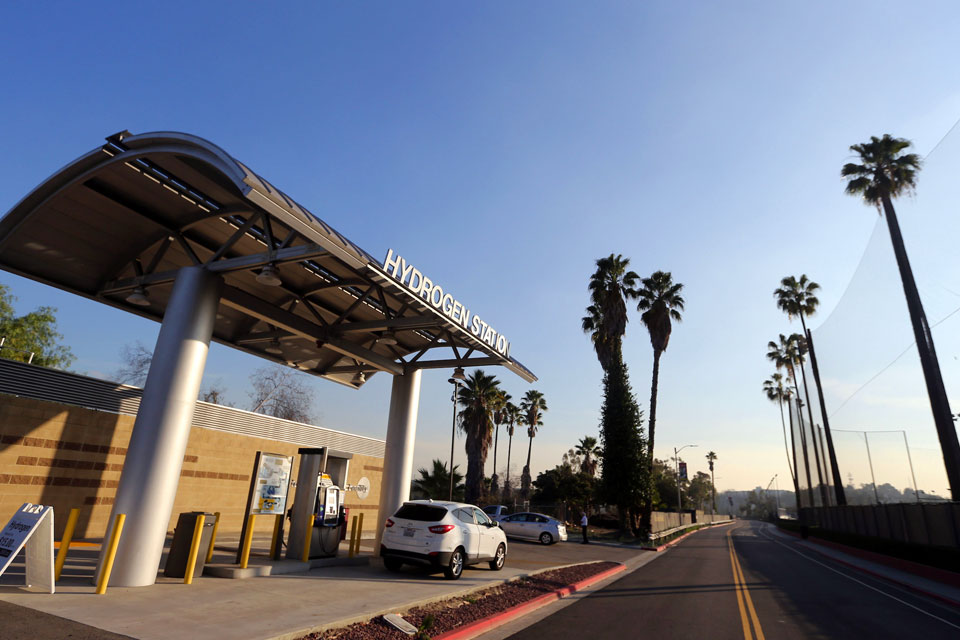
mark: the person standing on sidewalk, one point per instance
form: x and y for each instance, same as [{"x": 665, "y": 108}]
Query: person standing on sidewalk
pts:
[{"x": 583, "y": 526}]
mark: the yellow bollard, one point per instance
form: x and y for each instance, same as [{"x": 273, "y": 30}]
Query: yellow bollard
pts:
[
  {"x": 65, "y": 542},
  {"x": 306, "y": 540},
  {"x": 213, "y": 536},
  {"x": 111, "y": 553},
  {"x": 194, "y": 550},
  {"x": 353, "y": 534},
  {"x": 247, "y": 541},
  {"x": 359, "y": 534},
  {"x": 276, "y": 535}
]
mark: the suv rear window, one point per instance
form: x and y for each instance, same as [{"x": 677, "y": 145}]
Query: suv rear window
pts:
[{"x": 422, "y": 512}]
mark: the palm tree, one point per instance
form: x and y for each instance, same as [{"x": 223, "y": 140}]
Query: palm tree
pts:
[
  {"x": 886, "y": 173},
  {"x": 499, "y": 417},
  {"x": 797, "y": 297},
  {"x": 784, "y": 355},
  {"x": 606, "y": 319},
  {"x": 533, "y": 405},
  {"x": 477, "y": 396},
  {"x": 590, "y": 451},
  {"x": 711, "y": 456},
  {"x": 513, "y": 416},
  {"x": 660, "y": 302},
  {"x": 436, "y": 484},
  {"x": 777, "y": 392}
]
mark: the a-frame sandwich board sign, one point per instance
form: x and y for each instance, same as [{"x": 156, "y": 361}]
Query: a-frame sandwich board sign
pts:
[{"x": 31, "y": 526}]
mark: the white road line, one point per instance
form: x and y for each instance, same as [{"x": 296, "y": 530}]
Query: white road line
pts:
[{"x": 848, "y": 577}]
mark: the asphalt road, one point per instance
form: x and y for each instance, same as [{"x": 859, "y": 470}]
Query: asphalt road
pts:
[{"x": 742, "y": 582}]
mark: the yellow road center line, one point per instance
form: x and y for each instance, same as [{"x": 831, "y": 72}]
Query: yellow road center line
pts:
[
  {"x": 746, "y": 594},
  {"x": 736, "y": 583}
]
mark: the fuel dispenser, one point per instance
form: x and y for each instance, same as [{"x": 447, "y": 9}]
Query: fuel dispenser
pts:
[
  {"x": 329, "y": 501},
  {"x": 317, "y": 495}
]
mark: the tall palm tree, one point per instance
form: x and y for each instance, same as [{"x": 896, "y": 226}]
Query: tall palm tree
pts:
[
  {"x": 590, "y": 451},
  {"x": 785, "y": 355},
  {"x": 711, "y": 457},
  {"x": 797, "y": 298},
  {"x": 477, "y": 396},
  {"x": 777, "y": 392},
  {"x": 606, "y": 319},
  {"x": 661, "y": 303},
  {"x": 885, "y": 173},
  {"x": 513, "y": 416},
  {"x": 436, "y": 483},
  {"x": 499, "y": 417},
  {"x": 819, "y": 455},
  {"x": 533, "y": 405}
]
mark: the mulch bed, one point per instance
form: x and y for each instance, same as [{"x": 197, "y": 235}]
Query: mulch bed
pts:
[{"x": 450, "y": 614}]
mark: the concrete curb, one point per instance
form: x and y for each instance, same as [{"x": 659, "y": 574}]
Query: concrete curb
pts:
[
  {"x": 690, "y": 533},
  {"x": 620, "y": 545},
  {"x": 367, "y": 617},
  {"x": 482, "y": 626},
  {"x": 870, "y": 572}
]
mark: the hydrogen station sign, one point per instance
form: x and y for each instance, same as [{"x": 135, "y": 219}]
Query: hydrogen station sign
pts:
[{"x": 414, "y": 281}]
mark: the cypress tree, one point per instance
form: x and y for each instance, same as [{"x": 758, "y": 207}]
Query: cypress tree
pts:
[{"x": 625, "y": 481}]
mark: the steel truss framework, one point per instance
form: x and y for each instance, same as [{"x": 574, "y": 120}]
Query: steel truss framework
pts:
[{"x": 126, "y": 217}]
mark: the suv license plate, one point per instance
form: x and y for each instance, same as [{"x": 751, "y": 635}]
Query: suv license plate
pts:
[{"x": 408, "y": 532}]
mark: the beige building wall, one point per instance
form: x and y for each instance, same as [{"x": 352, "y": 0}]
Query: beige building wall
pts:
[{"x": 67, "y": 456}]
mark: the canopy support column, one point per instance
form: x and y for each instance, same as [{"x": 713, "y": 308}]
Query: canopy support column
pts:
[
  {"x": 398, "y": 453},
  {"x": 151, "y": 471}
]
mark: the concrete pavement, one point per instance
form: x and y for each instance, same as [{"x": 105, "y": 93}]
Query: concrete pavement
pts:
[{"x": 281, "y": 606}]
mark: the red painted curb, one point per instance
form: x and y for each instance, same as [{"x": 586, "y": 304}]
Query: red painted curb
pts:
[
  {"x": 912, "y": 587},
  {"x": 924, "y": 571},
  {"x": 880, "y": 576},
  {"x": 481, "y": 626}
]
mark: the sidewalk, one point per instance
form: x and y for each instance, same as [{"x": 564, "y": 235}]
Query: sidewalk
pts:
[
  {"x": 933, "y": 588},
  {"x": 282, "y": 606}
]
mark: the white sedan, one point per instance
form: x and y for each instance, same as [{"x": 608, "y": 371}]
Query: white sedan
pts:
[{"x": 534, "y": 526}]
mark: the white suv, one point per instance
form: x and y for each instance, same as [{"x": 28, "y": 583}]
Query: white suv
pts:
[{"x": 442, "y": 535}]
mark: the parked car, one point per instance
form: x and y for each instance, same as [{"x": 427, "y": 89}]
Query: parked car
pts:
[
  {"x": 496, "y": 511},
  {"x": 534, "y": 526},
  {"x": 443, "y": 536}
]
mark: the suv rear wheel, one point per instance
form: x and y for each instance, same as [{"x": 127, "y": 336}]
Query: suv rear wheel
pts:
[
  {"x": 497, "y": 563},
  {"x": 393, "y": 564},
  {"x": 455, "y": 568}
]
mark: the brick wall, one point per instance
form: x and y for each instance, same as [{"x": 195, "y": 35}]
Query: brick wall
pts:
[{"x": 66, "y": 456}]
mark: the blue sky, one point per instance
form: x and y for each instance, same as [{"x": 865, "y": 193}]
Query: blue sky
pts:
[{"x": 503, "y": 147}]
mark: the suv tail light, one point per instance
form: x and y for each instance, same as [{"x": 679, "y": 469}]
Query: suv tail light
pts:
[
  {"x": 442, "y": 528},
  {"x": 389, "y": 523}
]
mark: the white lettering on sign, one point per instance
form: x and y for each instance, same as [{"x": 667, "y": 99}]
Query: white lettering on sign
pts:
[
  {"x": 435, "y": 295},
  {"x": 30, "y": 527}
]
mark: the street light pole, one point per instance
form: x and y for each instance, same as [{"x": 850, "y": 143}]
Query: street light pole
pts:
[
  {"x": 676, "y": 460},
  {"x": 458, "y": 375}
]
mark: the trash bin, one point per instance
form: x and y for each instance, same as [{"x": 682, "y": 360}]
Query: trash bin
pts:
[{"x": 176, "y": 566}]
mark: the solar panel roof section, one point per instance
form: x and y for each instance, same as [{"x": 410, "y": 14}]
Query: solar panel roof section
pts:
[{"x": 133, "y": 212}]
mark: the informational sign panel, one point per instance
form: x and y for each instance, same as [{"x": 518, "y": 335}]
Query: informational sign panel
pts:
[
  {"x": 683, "y": 470},
  {"x": 31, "y": 526},
  {"x": 271, "y": 484}
]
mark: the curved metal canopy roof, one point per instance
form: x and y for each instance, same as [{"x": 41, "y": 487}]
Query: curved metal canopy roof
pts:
[{"x": 131, "y": 213}]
